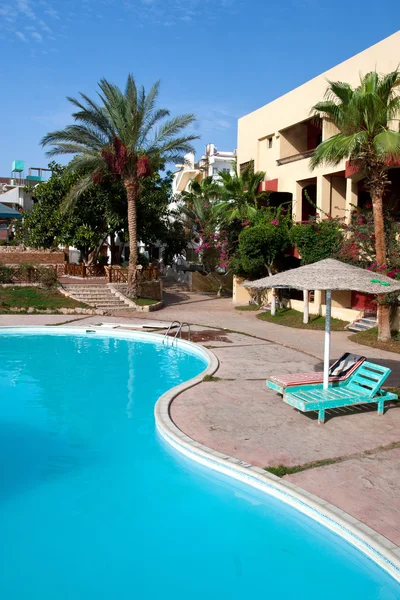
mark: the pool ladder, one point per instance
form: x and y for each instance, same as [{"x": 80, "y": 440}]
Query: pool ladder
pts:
[{"x": 178, "y": 331}]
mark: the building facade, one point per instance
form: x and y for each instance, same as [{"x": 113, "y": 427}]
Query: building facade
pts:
[{"x": 280, "y": 137}]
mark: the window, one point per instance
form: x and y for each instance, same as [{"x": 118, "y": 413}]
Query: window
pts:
[
  {"x": 269, "y": 142},
  {"x": 247, "y": 165}
]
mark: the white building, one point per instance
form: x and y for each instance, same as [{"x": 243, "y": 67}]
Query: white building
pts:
[
  {"x": 13, "y": 194},
  {"x": 210, "y": 165}
]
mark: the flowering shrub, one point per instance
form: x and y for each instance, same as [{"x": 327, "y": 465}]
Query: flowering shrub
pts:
[
  {"x": 261, "y": 244},
  {"x": 317, "y": 240},
  {"x": 359, "y": 246},
  {"x": 213, "y": 248}
]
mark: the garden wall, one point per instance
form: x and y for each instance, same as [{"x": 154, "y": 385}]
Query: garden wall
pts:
[
  {"x": 151, "y": 289},
  {"x": 241, "y": 295},
  {"x": 211, "y": 282},
  {"x": 14, "y": 255},
  {"x": 147, "y": 289}
]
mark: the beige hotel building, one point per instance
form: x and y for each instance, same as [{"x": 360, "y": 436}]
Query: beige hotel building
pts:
[{"x": 279, "y": 138}]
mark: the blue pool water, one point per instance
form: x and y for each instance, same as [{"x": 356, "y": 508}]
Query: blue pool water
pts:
[{"x": 93, "y": 505}]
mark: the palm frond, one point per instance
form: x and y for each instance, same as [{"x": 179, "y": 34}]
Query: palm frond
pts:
[
  {"x": 132, "y": 117},
  {"x": 337, "y": 148},
  {"x": 387, "y": 143},
  {"x": 76, "y": 191}
]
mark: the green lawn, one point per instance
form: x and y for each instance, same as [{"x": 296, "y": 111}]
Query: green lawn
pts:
[
  {"x": 145, "y": 301},
  {"x": 251, "y": 307},
  {"x": 294, "y": 318},
  {"x": 370, "y": 338},
  {"x": 35, "y": 297}
]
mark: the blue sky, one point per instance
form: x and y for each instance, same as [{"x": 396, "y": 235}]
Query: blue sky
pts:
[{"x": 217, "y": 58}]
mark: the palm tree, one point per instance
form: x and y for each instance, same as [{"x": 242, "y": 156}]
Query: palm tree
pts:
[
  {"x": 240, "y": 196},
  {"x": 365, "y": 116},
  {"x": 207, "y": 191},
  {"x": 197, "y": 203},
  {"x": 125, "y": 134}
]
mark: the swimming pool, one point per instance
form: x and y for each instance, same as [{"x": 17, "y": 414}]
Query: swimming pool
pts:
[{"x": 93, "y": 504}]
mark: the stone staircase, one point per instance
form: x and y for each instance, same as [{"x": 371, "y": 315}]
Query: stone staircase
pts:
[
  {"x": 362, "y": 324},
  {"x": 99, "y": 296}
]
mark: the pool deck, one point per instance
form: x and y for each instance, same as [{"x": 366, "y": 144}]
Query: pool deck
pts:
[{"x": 238, "y": 416}]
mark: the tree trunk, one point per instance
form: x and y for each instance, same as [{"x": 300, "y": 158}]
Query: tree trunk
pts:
[
  {"x": 384, "y": 334},
  {"x": 132, "y": 190}
]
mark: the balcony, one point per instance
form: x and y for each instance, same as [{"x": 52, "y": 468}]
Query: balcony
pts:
[
  {"x": 299, "y": 141},
  {"x": 295, "y": 157}
]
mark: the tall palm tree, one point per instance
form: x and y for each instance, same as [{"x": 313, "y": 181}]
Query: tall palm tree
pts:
[
  {"x": 239, "y": 195},
  {"x": 365, "y": 117},
  {"x": 125, "y": 134}
]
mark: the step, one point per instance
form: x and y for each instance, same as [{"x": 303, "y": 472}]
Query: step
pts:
[
  {"x": 86, "y": 287},
  {"x": 112, "y": 300},
  {"x": 87, "y": 295},
  {"x": 358, "y": 327},
  {"x": 108, "y": 305},
  {"x": 86, "y": 291}
]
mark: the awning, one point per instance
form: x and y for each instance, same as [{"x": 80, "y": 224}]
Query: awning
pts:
[{"x": 9, "y": 213}]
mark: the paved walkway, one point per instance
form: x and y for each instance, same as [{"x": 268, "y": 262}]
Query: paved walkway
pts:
[
  {"x": 238, "y": 416},
  {"x": 219, "y": 312}
]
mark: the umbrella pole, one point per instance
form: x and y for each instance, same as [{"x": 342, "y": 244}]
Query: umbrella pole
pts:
[{"x": 328, "y": 303}]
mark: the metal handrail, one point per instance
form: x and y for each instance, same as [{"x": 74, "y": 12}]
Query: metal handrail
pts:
[
  {"x": 169, "y": 329},
  {"x": 179, "y": 331}
]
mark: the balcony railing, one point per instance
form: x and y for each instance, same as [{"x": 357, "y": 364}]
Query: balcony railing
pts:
[{"x": 295, "y": 157}]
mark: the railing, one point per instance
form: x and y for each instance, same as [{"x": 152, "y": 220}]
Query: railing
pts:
[
  {"x": 178, "y": 332},
  {"x": 294, "y": 157},
  {"x": 115, "y": 274},
  {"x": 28, "y": 273},
  {"x": 83, "y": 270},
  {"x": 149, "y": 273},
  {"x": 75, "y": 270}
]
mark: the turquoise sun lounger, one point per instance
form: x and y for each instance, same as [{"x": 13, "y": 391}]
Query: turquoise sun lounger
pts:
[{"x": 362, "y": 387}]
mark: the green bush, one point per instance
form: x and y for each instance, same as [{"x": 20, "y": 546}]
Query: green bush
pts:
[
  {"x": 143, "y": 260},
  {"x": 26, "y": 272},
  {"x": 47, "y": 277},
  {"x": 6, "y": 274},
  {"x": 317, "y": 240},
  {"x": 102, "y": 260},
  {"x": 259, "y": 247}
]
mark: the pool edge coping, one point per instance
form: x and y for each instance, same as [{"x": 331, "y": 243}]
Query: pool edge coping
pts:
[{"x": 379, "y": 549}]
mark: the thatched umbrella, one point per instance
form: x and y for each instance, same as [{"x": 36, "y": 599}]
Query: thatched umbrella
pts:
[{"x": 328, "y": 275}]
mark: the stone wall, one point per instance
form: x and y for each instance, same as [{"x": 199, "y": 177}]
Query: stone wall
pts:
[
  {"x": 14, "y": 255},
  {"x": 151, "y": 289},
  {"x": 210, "y": 282},
  {"x": 147, "y": 289}
]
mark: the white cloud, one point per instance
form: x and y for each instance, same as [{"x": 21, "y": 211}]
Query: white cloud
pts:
[
  {"x": 36, "y": 36},
  {"x": 52, "y": 13},
  {"x": 24, "y": 7},
  {"x": 21, "y": 36},
  {"x": 44, "y": 26}
]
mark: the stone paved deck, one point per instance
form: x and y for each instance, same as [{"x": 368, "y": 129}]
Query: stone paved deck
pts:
[{"x": 238, "y": 416}]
